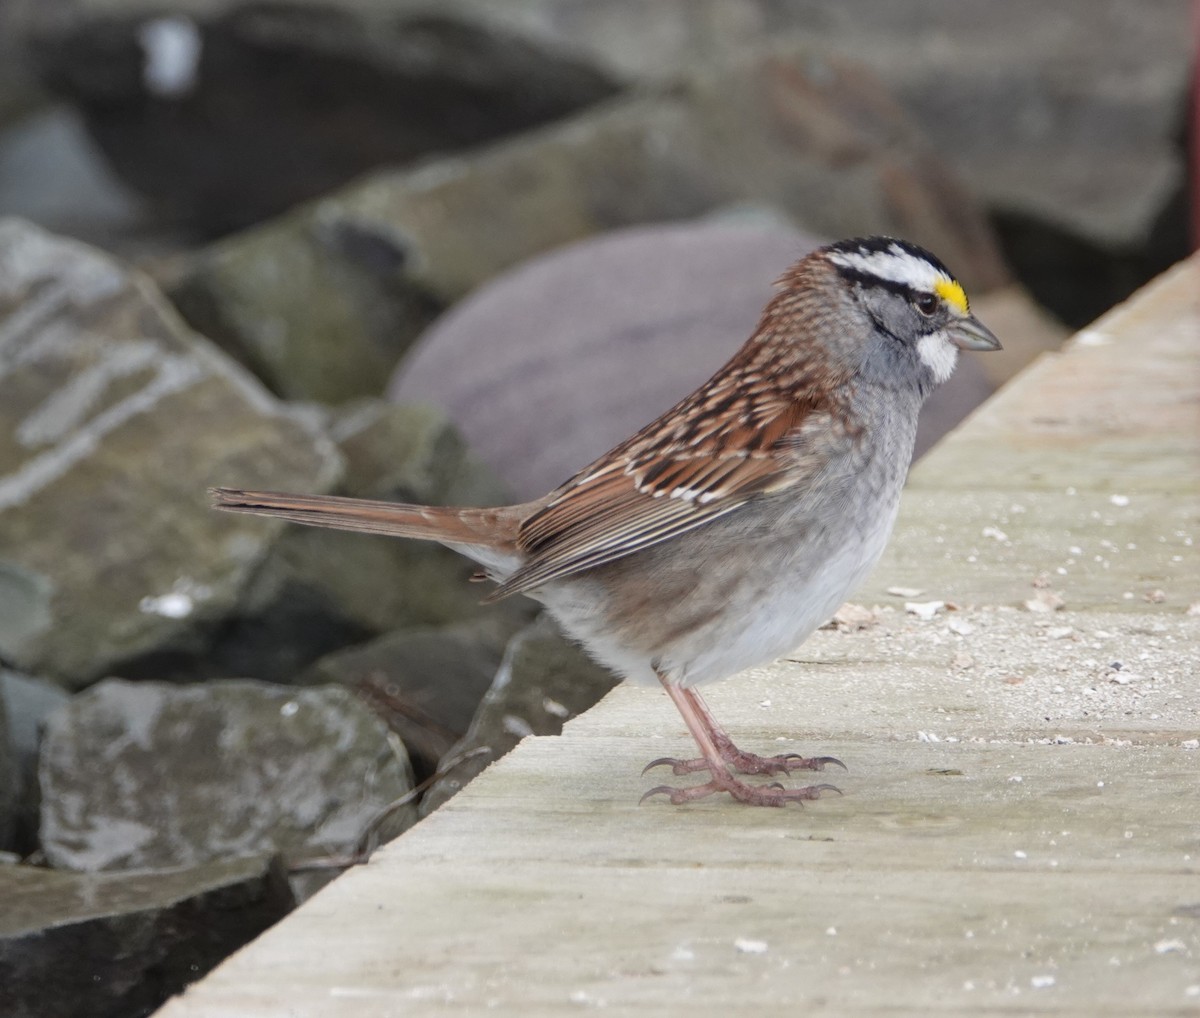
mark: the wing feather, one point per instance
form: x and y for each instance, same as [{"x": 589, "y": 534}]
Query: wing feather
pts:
[{"x": 615, "y": 508}]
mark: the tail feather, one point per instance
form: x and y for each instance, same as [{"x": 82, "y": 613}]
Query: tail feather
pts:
[{"x": 483, "y": 528}]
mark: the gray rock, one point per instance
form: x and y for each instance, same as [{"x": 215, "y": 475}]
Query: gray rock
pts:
[
  {"x": 1069, "y": 112},
  {"x": 543, "y": 682},
  {"x": 1001, "y": 92},
  {"x": 1067, "y": 120},
  {"x": 20, "y": 91},
  {"x": 549, "y": 335},
  {"x": 426, "y": 684},
  {"x": 114, "y": 419},
  {"x": 114, "y": 945},
  {"x": 11, "y": 786},
  {"x": 320, "y": 590},
  {"x": 51, "y": 173},
  {"x": 27, "y": 701},
  {"x": 410, "y": 453},
  {"x": 225, "y": 117},
  {"x": 154, "y": 775},
  {"x": 322, "y": 301}
]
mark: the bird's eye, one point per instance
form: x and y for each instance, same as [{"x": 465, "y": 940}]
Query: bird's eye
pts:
[{"x": 926, "y": 303}]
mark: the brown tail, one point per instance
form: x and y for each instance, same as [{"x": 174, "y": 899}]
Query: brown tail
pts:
[{"x": 485, "y": 528}]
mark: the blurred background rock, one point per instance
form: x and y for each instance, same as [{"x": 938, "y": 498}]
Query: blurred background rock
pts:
[
  {"x": 1067, "y": 121},
  {"x": 444, "y": 251}
]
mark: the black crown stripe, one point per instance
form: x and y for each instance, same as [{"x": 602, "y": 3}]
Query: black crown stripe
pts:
[
  {"x": 867, "y": 246},
  {"x": 868, "y": 279}
]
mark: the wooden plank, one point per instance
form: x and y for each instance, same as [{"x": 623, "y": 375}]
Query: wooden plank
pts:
[{"x": 1020, "y": 830}]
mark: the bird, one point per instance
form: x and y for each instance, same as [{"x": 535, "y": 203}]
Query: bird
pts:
[{"x": 721, "y": 535}]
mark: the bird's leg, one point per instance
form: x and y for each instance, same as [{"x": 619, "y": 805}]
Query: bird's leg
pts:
[
  {"x": 699, "y": 722},
  {"x": 738, "y": 759}
]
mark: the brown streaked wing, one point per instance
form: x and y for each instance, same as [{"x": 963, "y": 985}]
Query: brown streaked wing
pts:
[
  {"x": 637, "y": 497},
  {"x": 604, "y": 527}
]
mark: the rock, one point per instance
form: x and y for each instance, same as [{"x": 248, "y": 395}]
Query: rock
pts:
[
  {"x": 27, "y": 701},
  {"x": 115, "y": 419},
  {"x": 1086, "y": 183},
  {"x": 410, "y": 453},
  {"x": 1068, "y": 113},
  {"x": 426, "y": 684},
  {"x": 10, "y": 781},
  {"x": 1076, "y": 278},
  {"x": 20, "y": 92},
  {"x": 324, "y": 300},
  {"x": 820, "y": 137},
  {"x": 320, "y": 590},
  {"x": 226, "y": 117},
  {"x": 154, "y": 775},
  {"x": 52, "y": 174},
  {"x": 548, "y": 334},
  {"x": 113, "y": 945},
  {"x": 543, "y": 682},
  {"x": 1005, "y": 99}
]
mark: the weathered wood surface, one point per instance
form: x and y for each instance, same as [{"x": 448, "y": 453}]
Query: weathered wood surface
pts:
[{"x": 1020, "y": 830}]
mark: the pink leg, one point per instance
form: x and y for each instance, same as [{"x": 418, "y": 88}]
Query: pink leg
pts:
[
  {"x": 699, "y": 722},
  {"x": 738, "y": 759}
]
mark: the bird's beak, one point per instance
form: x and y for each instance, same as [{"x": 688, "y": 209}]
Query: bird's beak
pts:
[{"x": 971, "y": 334}]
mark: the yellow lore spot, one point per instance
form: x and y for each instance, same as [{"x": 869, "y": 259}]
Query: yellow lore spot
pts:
[{"x": 953, "y": 294}]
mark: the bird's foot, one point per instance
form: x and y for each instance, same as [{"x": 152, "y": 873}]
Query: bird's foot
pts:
[
  {"x": 748, "y": 763},
  {"x": 773, "y": 794}
]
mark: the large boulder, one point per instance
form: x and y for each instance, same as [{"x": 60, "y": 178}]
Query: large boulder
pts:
[
  {"x": 543, "y": 681},
  {"x": 1066, "y": 120},
  {"x": 324, "y": 301},
  {"x": 1068, "y": 113},
  {"x": 426, "y": 684},
  {"x": 114, "y": 419},
  {"x": 114, "y": 945},
  {"x": 10, "y": 784},
  {"x": 25, "y": 702},
  {"x": 225, "y": 117},
  {"x": 152, "y": 775},
  {"x": 20, "y": 91},
  {"x": 52, "y": 174}
]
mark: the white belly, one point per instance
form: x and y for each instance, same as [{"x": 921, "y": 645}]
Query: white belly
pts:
[
  {"x": 767, "y": 609},
  {"x": 796, "y": 603}
]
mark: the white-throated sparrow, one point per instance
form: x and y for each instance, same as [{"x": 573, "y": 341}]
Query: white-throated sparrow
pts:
[{"x": 721, "y": 535}]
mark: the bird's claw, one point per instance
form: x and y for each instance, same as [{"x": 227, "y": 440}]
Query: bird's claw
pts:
[
  {"x": 666, "y": 790},
  {"x": 819, "y": 763},
  {"x": 748, "y": 763},
  {"x": 773, "y": 794},
  {"x": 677, "y": 766}
]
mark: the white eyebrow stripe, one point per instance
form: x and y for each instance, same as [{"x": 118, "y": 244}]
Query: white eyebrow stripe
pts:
[{"x": 895, "y": 265}]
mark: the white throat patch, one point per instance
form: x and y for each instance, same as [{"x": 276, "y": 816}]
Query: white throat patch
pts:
[{"x": 938, "y": 354}]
